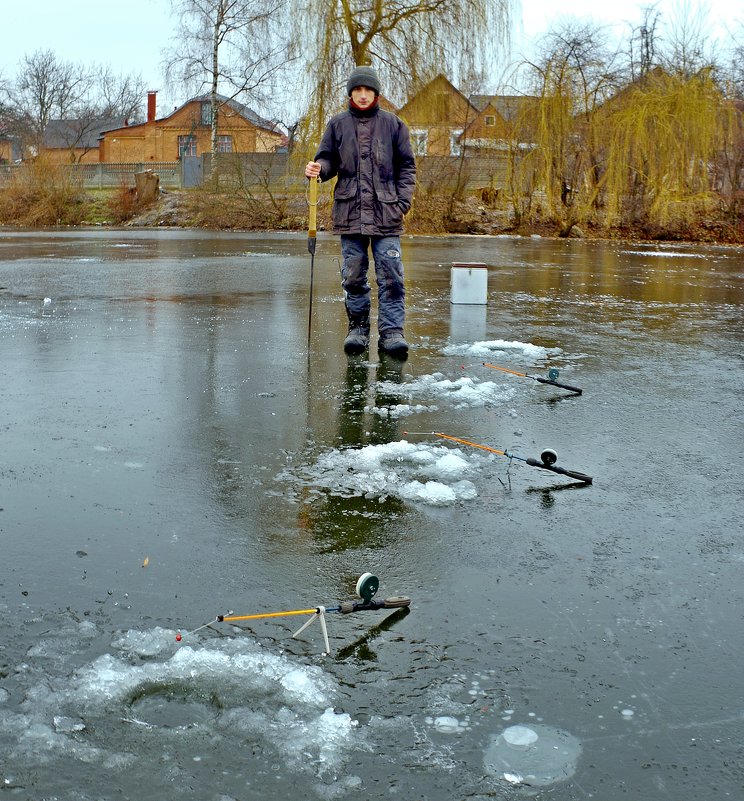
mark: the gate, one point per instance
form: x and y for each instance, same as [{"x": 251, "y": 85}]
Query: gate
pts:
[{"x": 192, "y": 171}]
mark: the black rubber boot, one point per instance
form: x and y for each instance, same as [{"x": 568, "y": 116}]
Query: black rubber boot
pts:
[
  {"x": 357, "y": 340},
  {"x": 394, "y": 344}
]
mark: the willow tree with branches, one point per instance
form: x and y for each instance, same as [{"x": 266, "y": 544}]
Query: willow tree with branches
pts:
[
  {"x": 408, "y": 41},
  {"x": 662, "y": 135},
  {"x": 574, "y": 78}
]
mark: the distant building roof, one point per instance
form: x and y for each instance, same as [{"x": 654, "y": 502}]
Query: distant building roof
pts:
[
  {"x": 507, "y": 105},
  {"x": 83, "y": 134},
  {"x": 239, "y": 108},
  {"x": 245, "y": 112}
]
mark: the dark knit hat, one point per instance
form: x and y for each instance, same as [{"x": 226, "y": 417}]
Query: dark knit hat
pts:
[{"x": 363, "y": 76}]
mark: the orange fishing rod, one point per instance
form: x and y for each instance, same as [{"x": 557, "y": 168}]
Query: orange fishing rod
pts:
[
  {"x": 548, "y": 457},
  {"x": 553, "y": 374}
]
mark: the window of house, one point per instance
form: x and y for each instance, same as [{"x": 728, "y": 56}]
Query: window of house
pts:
[
  {"x": 419, "y": 142},
  {"x": 206, "y": 113},
  {"x": 224, "y": 144},
  {"x": 455, "y": 143},
  {"x": 490, "y": 120},
  {"x": 186, "y": 146}
]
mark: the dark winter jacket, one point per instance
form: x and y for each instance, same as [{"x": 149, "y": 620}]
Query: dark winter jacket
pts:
[{"x": 370, "y": 152}]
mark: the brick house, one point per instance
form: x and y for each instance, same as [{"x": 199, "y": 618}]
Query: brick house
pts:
[
  {"x": 502, "y": 120},
  {"x": 436, "y": 116},
  {"x": 187, "y": 131}
]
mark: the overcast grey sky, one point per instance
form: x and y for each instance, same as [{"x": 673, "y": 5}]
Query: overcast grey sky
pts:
[{"x": 131, "y": 40}]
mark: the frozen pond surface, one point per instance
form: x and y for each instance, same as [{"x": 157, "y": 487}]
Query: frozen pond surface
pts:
[{"x": 170, "y": 453}]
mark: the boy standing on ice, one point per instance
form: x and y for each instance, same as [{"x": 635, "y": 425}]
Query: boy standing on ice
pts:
[{"x": 370, "y": 151}]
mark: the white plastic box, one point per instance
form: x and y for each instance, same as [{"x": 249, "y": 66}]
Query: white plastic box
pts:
[{"x": 469, "y": 283}]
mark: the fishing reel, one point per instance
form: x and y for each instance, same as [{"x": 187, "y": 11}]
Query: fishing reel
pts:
[
  {"x": 366, "y": 588},
  {"x": 549, "y": 457},
  {"x": 554, "y": 373}
]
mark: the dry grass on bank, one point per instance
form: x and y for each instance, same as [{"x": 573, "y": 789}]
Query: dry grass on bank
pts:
[{"x": 42, "y": 195}]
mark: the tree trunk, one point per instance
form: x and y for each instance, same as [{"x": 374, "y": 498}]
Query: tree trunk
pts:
[{"x": 215, "y": 76}]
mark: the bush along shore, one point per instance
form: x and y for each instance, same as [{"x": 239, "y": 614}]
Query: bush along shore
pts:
[{"x": 44, "y": 203}]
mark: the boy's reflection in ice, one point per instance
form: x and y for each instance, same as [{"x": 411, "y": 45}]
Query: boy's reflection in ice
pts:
[
  {"x": 358, "y": 423},
  {"x": 349, "y": 522}
]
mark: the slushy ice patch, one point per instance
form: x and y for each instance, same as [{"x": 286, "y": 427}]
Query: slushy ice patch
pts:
[
  {"x": 466, "y": 391},
  {"x": 149, "y": 687}
]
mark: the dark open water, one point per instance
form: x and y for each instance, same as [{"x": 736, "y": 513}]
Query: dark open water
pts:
[{"x": 169, "y": 453}]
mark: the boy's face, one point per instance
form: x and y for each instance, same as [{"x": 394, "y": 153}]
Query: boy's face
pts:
[{"x": 362, "y": 96}]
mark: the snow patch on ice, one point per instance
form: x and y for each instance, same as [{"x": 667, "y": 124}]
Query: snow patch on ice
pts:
[
  {"x": 400, "y": 410},
  {"x": 430, "y": 474},
  {"x": 525, "y": 350},
  {"x": 463, "y": 392}
]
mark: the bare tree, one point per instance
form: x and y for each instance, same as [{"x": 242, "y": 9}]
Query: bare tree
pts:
[
  {"x": 119, "y": 95},
  {"x": 228, "y": 47},
  {"x": 736, "y": 64},
  {"x": 643, "y": 44},
  {"x": 45, "y": 88},
  {"x": 66, "y": 103},
  {"x": 689, "y": 46}
]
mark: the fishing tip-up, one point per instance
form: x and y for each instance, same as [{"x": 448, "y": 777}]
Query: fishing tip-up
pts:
[
  {"x": 552, "y": 379},
  {"x": 366, "y": 588}
]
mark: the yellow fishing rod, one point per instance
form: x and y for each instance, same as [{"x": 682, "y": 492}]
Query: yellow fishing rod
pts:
[
  {"x": 366, "y": 588},
  {"x": 548, "y": 457}
]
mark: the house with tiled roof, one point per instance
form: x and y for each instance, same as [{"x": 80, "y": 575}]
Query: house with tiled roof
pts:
[{"x": 187, "y": 131}]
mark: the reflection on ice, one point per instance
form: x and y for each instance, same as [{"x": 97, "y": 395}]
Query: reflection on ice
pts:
[
  {"x": 429, "y": 474},
  {"x": 676, "y": 254}
]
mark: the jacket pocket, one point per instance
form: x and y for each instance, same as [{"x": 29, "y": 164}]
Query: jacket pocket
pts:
[
  {"x": 344, "y": 201},
  {"x": 391, "y": 213},
  {"x": 345, "y": 190},
  {"x": 342, "y": 211}
]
